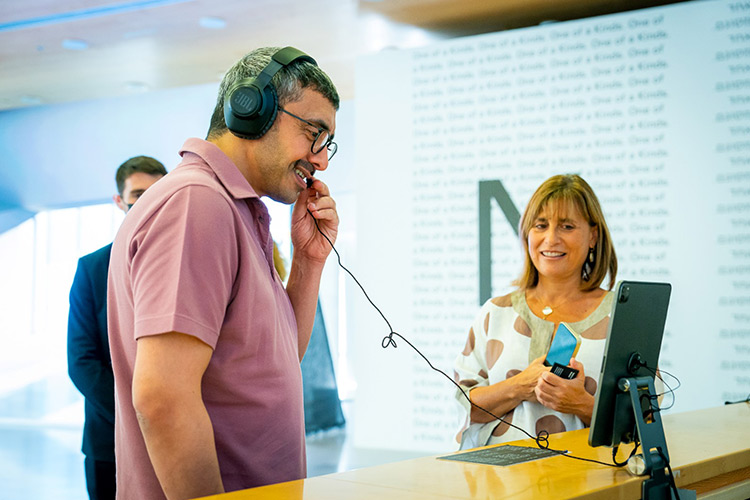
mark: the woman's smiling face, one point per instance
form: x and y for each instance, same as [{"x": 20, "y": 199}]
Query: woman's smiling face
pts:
[{"x": 559, "y": 241}]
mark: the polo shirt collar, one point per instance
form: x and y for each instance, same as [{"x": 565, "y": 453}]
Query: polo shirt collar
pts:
[{"x": 227, "y": 172}]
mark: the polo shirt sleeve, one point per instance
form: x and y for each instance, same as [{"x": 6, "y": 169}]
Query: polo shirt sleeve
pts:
[{"x": 183, "y": 262}]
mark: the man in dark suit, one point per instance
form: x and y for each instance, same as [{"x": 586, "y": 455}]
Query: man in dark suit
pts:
[{"x": 89, "y": 364}]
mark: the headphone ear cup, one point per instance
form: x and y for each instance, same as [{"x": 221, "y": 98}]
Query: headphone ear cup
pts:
[{"x": 249, "y": 112}]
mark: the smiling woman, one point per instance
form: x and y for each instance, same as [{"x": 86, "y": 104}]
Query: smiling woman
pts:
[{"x": 568, "y": 253}]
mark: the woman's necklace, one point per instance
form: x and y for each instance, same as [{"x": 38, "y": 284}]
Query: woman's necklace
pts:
[{"x": 547, "y": 310}]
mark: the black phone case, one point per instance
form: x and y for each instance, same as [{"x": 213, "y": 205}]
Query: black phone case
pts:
[{"x": 564, "y": 371}]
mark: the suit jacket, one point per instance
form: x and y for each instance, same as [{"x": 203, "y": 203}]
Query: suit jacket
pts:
[{"x": 89, "y": 363}]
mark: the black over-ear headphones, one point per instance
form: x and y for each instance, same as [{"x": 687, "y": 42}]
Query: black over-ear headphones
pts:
[{"x": 251, "y": 105}]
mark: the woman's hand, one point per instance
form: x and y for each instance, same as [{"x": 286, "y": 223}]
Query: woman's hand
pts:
[
  {"x": 566, "y": 396},
  {"x": 501, "y": 397},
  {"x": 528, "y": 380}
]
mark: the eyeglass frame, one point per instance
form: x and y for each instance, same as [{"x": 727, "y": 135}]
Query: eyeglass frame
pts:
[{"x": 326, "y": 145}]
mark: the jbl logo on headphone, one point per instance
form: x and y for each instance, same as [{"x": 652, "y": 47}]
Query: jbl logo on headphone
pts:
[
  {"x": 251, "y": 105},
  {"x": 244, "y": 103}
]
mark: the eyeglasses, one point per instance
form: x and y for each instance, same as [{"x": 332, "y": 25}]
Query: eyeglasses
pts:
[{"x": 323, "y": 139}]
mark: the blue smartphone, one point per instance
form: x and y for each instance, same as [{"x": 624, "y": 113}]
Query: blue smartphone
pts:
[{"x": 564, "y": 346}]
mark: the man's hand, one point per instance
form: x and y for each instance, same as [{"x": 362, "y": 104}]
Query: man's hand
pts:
[
  {"x": 307, "y": 241},
  {"x": 310, "y": 252}
]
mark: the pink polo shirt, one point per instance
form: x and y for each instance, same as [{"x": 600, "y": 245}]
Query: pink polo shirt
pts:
[{"x": 195, "y": 255}]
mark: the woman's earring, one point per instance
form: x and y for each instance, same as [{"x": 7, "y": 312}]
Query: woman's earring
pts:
[{"x": 588, "y": 266}]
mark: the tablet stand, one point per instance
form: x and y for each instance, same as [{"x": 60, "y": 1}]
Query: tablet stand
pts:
[{"x": 639, "y": 394}]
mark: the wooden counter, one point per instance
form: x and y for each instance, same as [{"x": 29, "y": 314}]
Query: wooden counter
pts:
[{"x": 709, "y": 451}]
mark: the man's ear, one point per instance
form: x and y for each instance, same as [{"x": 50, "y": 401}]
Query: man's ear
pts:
[{"x": 120, "y": 203}]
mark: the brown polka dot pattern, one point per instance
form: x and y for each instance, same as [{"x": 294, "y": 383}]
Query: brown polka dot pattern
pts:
[
  {"x": 522, "y": 327},
  {"x": 494, "y": 350},
  {"x": 551, "y": 424},
  {"x": 487, "y": 324},
  {"x": 503, "y": 301},
  {"x": 512, "y": 373},
  {"x": 468, "y": 382},
  {"x": 598, "y": 331},
  {"x": 483, "y": 374},
  {"x": 590, "y": 385},
  {"x": 503, "y": 427},
  {"x": 469, "y": 343}
]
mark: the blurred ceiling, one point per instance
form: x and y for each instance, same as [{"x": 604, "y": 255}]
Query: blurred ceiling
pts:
[{"x": 55, "y": 51}]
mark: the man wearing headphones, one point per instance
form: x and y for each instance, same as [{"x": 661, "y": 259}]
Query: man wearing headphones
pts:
[{"x": 206, "y": 341}]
